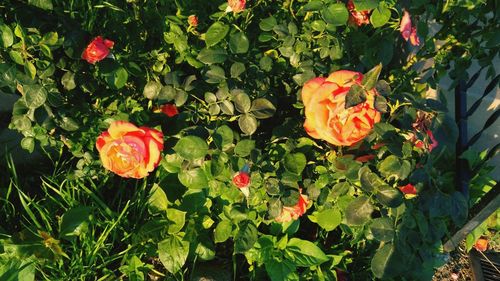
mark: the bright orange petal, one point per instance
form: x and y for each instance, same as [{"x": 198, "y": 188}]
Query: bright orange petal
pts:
[
  {"x": 118, "y": 129},
  {"x": 345, "y": 78},
  {"x": 310, "y": 88}
]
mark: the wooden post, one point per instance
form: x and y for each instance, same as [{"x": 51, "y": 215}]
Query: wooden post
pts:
[{"x": 487, "y": 211}]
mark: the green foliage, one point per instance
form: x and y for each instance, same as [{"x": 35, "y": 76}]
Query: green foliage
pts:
[{"x": 236, "y": 79}]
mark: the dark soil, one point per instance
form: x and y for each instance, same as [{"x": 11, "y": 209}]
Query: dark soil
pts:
[{"x": 457, "y": 268}]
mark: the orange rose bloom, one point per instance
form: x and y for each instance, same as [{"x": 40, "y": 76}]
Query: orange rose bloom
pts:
[
  {"x": 293, "y": 213},
  {"x": 235, "y": 6},
  {"x": 481, "y": 244},
  {"x": 326, "y": 115},
  {"x": 129, "y": 151},
  {"x": 97, "y": 50}
]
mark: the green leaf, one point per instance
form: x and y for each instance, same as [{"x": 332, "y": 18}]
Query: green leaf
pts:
[
  {"x": 157, "y": 200},
  {"x": 329, "y": 219},
  {"x": 223, "y": 231},
  {"x": 30, "y": 69},
  {"x": 318, "y": 25},
  {"x": 205, "y": 249},
  {"x": 266, "y": 63},
  {"x": 268, "y": 24},
  {"x": 7, "y": 36},
  {"x": 69, "y": 124},
  {"x": 215, "y": 74},
  {"x": 244, "y": 147},
  {"x": 152, "y": 90},
  {"x": 34, "y": 95},
  {"x": 242, "y": 102},
  {"x": 382, "y": 229},
  {"x": 359, "y": 211},
  {"x": 21, "y": 122},
  {"x": 210, "y": 97},
  {"x": 68, "y": 81},
  {"x": 177, "y": 219},
  {"x": 304, "y": 253},
  {"x": 314, "y": 5},
  {"x": 380, "y": 264},
  {"x": 238, "y": 43},
  {"x": 380, "y": 15},
  {"x": 223, "y": 137},
  {"x": 173, "y": 253},
  {"x": 383, "y": 88},
  {"x": 290, "y": 197},
  {"x": 248, "y": 124},
  {"x": 180, "y": 97},
  {"x": 393, "y": 167},
  {"x": 172, "y": 163},
  {"x": 212, "y": 55},
  {"x": 191, "y": 147},
  {"x": 380, "y": 104},
  {"x": 50, "y": 38},
  {"x": 371, "y": 77},
  {"x": 274, "y": 205},
  {"x": 364, "y": 5},
  {"x": 355, "y": 96},
  {"x": 237, "y": 69},
  {"x": 282, "y": 270},
  {"x": 246, "y": 237},
  {"x": 117, "y": 78},
  {"x": 16, "y": 57},
  {"x": 389, "y": 196},
  {"x": 215, "y": 33},
  {"x": 295, "y": 162},
  {"x": 262, "y": 108},
  {"x": 335, "y": 14},
  {"x": 75, "y": 221},
  {"x": 19, "y": 32},
  {"x": 369, "y": 180},
  {"x": 28, "y": 143},
  {"x": 194, "y": 178},
  {"x": 42, "y": 4},
  {"x": 227, "y": 107}
]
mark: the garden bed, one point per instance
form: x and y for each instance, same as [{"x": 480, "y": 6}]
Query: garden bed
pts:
[{"x": 281, "y": 140}]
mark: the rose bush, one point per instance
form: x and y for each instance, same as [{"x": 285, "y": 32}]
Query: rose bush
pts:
[{"x": 281, "y": 140}]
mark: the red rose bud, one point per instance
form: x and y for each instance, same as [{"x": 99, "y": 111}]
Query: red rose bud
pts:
[
  {"x": 169, "y": 109},
  {"x": 241, "y": 179},
  {"x": 193, "y": 20},
  {"x": 409, "y": 191},
  {"x": 357, "y": 17},
  {"x": 97, "y": 50},
  {"x": 481, "y": 244}
]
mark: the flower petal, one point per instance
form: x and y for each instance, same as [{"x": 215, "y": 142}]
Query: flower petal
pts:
[
  {"x": 117, "y": 129},
  {"x": 345, "y": 78}
]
